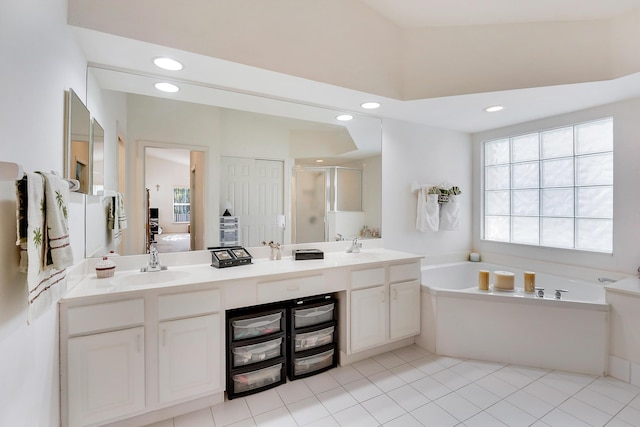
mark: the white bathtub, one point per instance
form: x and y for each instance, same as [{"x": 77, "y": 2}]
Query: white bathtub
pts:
[{"x": 460, "y": 320}]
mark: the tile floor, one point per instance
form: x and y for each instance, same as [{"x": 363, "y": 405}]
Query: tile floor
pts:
[{"x": 412, "y": 387}]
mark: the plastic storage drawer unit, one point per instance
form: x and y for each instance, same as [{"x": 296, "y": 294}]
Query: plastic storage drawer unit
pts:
[
  {"x": 256, "y": 326},
  {"x": 255, "y": 353},
  {"x": 304, "y": 317},
  {"x": 309, "y": 365},
  {"x": 309, "y": 340},
  {"x": 258, "y": 379}
]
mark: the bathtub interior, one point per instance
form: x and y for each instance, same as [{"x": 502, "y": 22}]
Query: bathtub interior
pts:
[{"x": 463, "y": 276}]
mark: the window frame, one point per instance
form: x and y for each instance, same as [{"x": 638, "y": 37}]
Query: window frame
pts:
[
  {"x": 175, "y": 204},
  {"x": 575, "y": 187}
]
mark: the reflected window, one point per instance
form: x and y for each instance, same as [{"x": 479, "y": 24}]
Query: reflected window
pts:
[{"x": 181, "y": 205}]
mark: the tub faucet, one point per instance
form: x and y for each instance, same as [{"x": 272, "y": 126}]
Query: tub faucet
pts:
[
  {"x": 154, "y": 261},
  {"x": 559, "y": 293},
  {"x": 355, "y": 247},
  {"x": 606, "y": 280}
]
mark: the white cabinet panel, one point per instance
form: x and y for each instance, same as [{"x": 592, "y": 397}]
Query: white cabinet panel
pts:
[
  {"x": 367, "y": 277},
  {"x": 368, "y": 318},
  {"x": 100, "y": 317},
  {"x": 404, "y": 309},
  {"x": 189, "y": 304},
  {"x": 189, "y": 357},
  {"x": 286, "y": 289},
  {"x": 105, "y": 376}
]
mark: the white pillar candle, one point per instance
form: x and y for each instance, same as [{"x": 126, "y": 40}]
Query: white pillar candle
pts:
[{"x": 503, "y": 280}]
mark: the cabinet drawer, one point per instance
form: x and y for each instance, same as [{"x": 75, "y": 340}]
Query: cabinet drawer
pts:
[
  {"x": 100, "y": 317},
  {"x": 404, "y": 272},
  {"x": 258, "y": 379},
  {"x": 282, "y": 290},
  {"x": 248, "y": 354},
  {"x": 256, "y": 326},
  {"x": 310, "y": 364},
  {"x": 189, "y": 304},
  {"x": 367, "y": 277},
  {"x": 304, "y": 317},
  {"x": 309, "y": 340}
]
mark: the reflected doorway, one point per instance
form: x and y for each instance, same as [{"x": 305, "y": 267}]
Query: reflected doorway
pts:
[{"x": 173, "y": 202}]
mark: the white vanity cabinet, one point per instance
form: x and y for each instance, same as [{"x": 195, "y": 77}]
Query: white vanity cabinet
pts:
[
  {"x": 105, "y": 370},
  {"x": 368, "y": 318},
  {"x": 404, "y": 300},
  {"x": 190, "y": 348},
  {"x": 384, "y": 305},
  {"x": 404, "y": 309}
]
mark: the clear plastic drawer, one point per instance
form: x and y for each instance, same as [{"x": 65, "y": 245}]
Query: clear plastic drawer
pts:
[
  {"x": 253, "y": 380},
  {"x": 305, "y": 365},
  {"x": 313, "y": 315},
  {"x": 256, "y": 326},
  {"x": 248, "y": 354},
  {"x": 313, "y": 339}
]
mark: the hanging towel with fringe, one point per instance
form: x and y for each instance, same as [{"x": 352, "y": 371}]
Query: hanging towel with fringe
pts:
[{"x": 42, "y": 230}]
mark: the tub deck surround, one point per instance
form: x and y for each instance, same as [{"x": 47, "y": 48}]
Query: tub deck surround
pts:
[
  {"x": 624, "y": 298},
  {"x": 629, "y": 286},
  {"x": 168, "y": 327},
  {"x": 513, "y": 327}
]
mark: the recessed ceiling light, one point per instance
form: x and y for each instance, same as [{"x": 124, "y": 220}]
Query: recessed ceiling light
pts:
[
  {"x": 372, "y": 105},
  {"x": 168, "y": 64},
  {"x": 166, "y": 87},
  {"x": 494, "y": 108},
  {"x": 344, "y": 117},
  {"x": 319, "y": 161}
]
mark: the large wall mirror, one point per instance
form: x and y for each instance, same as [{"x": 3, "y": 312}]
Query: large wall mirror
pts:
[
  {"x": 77, "y": 163},
  {"x": 251, "y": 157}
]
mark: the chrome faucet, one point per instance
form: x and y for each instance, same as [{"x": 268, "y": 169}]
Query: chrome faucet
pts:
[
  {"x": 355, "y": 247},
  {"x": 154, "y": 261},
  {"x": 606, "y": 280}
]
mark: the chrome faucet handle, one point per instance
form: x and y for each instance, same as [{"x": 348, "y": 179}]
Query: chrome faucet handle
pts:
[
  {"x": 559, "y": 293},
  {"x": 540, "y": 292}
]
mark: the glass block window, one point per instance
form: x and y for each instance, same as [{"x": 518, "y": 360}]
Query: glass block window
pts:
[
  {"x": 181, "y": 204},
  {"x": 552, "y": 188}
]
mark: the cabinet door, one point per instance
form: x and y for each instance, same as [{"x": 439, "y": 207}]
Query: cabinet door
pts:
[
  {"x": 368, "y": 318},
  {"x": 404, "y": 309},
  {"x": 189, "y": 357},
  {"x": 105, "y": 376}
]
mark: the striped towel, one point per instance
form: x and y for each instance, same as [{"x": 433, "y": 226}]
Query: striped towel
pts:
[
  {"x": 117, "y": 219},
  {"x": 46, "y": 272}
]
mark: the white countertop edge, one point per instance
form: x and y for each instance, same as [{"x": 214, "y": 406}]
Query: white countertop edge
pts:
[{"x": 201, "y": 272}]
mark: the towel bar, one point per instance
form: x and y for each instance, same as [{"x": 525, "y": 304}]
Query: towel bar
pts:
[{"x": 10, "y": 171}]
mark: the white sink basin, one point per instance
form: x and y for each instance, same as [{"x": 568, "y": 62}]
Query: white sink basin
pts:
[{"x": 150, "y": 278}]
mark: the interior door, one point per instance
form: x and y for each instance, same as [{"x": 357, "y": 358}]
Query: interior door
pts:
[{"x": 255, "y": 189}]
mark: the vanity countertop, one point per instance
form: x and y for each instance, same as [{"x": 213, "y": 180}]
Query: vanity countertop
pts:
[{"x": 124, "y": 281}]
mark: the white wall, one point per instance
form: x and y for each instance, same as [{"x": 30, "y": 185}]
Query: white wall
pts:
[
  {"x": 40, "y": 61},
  {"x": 415, "y": 153},
  {"x": 626, "y": 197}
]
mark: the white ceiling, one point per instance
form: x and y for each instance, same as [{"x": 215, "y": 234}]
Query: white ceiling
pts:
[
  {"x": 439, "y": 13},
  {"x": 462, "y": 113}
]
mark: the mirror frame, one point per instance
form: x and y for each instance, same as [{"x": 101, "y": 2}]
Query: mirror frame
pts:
[
  {"x": 77, "y": 118},
  {"x": 97, "y": 129}
]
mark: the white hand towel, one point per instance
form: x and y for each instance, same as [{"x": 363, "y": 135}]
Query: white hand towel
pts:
[
  {"x": 120, "y": 213},
  {"x": 45, "y": 285},
  {"x": 56, "y": 196},
  {"x": 450, "y": 213},
  {"x": 433, "y": 212}
]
